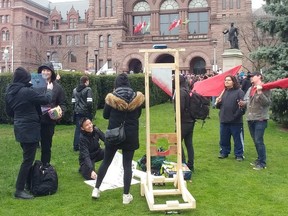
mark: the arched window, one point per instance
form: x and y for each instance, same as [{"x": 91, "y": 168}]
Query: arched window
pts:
[
  {"x": 198, "y": 4},
  {"x": 166, "y": 19},
  {"x": 72, "y": 23},
  {"x": 198, "y": 17},
  {"x": 101, "y": 41},
  {"x": 141, "y": 21},
  {"x": 5, "y": 35},
  {"x": 109, "y": 40},
  {"x": 55, "y": 24}
]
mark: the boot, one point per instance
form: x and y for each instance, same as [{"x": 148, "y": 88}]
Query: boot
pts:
[{"x": 22, "y": 195}]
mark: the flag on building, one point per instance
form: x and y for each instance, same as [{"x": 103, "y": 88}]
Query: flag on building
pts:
[
  {"x": 213, "y": 86},
  {"x": 139, "y": 27},
  {"x": 175, "y": 24}
]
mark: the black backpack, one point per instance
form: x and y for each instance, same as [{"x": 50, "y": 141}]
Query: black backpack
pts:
[
  {"x": 198, "y": 105},
  {"x": 43, "y": 180}
]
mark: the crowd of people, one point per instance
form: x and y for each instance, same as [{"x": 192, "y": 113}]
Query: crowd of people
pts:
[{"x": 30, "y": 110}]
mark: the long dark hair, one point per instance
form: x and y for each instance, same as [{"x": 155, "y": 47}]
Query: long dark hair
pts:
[{"x": 235, "y": 81}]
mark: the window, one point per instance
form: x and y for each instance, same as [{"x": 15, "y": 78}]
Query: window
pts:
[
  {"x": 55, "y": 24},
  {"x": 72, "y": 23},
  {"x": 231, "y": 4},
  {"x": 100, "y": 8},
  {"x": 141, "y": 6},
  {"x": 31, "y": 22},
  {"x": 198, "y": 23},
  {"x": 238, "y": 4},
  {"x": 142, "y": 19},
  {"x": 59, "y": 39},
  {"x": 5, "y": 35},
  {"x": 165, "y": 22},
  {"x": 109, "y": 63},
  {"x": 51, "y": 40},
  {"x": 112, "y": 7},
  {"x": 106, "y": 8},
  {"x": 27, "y": 20},
  {"x": 198, "y": 4},
  {"x": 101, "y": 41},
  {"x": 37, "y": 24},
  {"x": 169, "y": 5},
  {"x": 73, "y": 57},
  {"x": 77, "y": 40},
  {"x": 3, "y": 19},
  {"x": 167, "y": 19},
  {"x": 69, "y": 40},
  {"x": 223, "y": 4},
  {"x": 101, "y": 63},
  {"x": 85, "y": 39},
  {"x": 109, "y": 41}
]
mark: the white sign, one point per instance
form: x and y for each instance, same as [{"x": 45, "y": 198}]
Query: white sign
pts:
[{"x": 57, "y": 65}]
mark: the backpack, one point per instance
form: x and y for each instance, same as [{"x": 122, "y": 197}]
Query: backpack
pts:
[
  {"x": 198, "y": 106},
  {"x": 42, "y": 180}
]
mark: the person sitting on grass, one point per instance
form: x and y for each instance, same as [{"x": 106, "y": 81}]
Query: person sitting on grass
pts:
[{"x": 90, "y": 151}]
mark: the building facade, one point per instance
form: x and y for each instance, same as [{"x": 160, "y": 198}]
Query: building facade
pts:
[{"x": 84, "y": 35}]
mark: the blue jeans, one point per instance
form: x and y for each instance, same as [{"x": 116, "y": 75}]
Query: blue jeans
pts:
[
  {"x": 236, "y": 131},
  {"x": 257, "y": 129}
]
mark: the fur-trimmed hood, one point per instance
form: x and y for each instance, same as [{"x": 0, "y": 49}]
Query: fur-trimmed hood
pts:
[{"x": 120, "y": 104}]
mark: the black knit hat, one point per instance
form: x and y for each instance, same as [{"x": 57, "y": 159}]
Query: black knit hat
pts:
[
  {"x": 21, "y": 76},
  {"x": 49, "y": 66},
  {"x": 122, "y": 81}
]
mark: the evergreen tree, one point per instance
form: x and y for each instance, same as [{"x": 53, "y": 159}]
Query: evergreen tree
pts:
[{"x": 276, "y": 25}]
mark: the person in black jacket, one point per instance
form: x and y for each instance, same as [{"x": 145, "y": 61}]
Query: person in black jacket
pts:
[
  {"x": 123, "y": 104},
  {"x": 82, "y": 106},
  {"x": 90, "y": 150},
  {"x": 231, "y": 119},
  {"x": 23, "y": 104},
  {"x": 187, "y": 124},
  {"x": 48, "y": 124}
]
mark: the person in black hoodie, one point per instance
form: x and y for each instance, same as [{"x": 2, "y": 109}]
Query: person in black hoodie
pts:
[
  {"x": 187, "y": 124},
  {"x": 90, "y": 150},
  {"x": 231, "y": 119},
  {"x": 124, "y": 104},
  {"x": 23, "y": 104},
  {"x": 48, "y": 124},
  {"x": 82, "y": 106}
]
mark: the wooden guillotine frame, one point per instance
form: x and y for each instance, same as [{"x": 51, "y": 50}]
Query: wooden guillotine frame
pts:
[{"x": 174, "y": 140}]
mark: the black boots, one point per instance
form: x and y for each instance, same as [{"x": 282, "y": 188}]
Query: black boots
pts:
[{"x": 22, "y": 195}]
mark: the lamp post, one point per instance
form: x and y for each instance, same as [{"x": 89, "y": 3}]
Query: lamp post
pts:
[
  {"x": 48, "y": 54},
  {"x": 116, "y": 65},
  {"x": 6, "y": 58},
  {"x": 96, "y": 52},
  {"x": 214, "y": 55}
]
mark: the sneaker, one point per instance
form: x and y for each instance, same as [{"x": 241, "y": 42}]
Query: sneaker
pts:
[
  {"x": 95, "y": 193},
  {"x": 259, "y": 167},
  {"x": 254, "y": 163},
  {"x": 222, "y": 156},
  {"x": 239, "y": 158},
  {"x": 127, "y": 198}
]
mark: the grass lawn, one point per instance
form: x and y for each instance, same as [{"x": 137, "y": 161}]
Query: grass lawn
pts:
[{"x": 220, "y": 187}]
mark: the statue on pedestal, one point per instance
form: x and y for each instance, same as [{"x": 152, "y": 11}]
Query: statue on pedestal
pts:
[{"x": 232, "y": 36}]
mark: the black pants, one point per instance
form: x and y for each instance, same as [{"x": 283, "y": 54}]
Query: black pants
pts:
[
  {"x": 47, "y": 132},
  {"x": 109, "y": 153},
  {"x": 29, "y": 152},
  {"x": 187, "y": 136},
  {"x": 85, "y": 170}
]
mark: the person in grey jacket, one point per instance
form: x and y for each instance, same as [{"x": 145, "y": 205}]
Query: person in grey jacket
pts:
[
  {"x": 123, "y": 104},
  {"x": 23, "y": 105},
  {"x": 231, "y": 119},
  {"x": 82, "y": 105},
  {"x": 257, "y": 102}
]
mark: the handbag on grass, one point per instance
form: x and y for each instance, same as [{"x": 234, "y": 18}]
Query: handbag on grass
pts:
[{"x": 116, "y": 135}]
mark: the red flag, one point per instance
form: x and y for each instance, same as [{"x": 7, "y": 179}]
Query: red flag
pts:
[
  {"x": 282, "y": 83},
  {"x": 214, "y": 86},
  {"x": 175, "y": 24},
  {"x": 139, "y": 27}
]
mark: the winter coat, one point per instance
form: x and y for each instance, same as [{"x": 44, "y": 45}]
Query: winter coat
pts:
[
  {"x": 230, "y": 112},
  {"x": 58, "y": 98},
  {"x": 82, "y": 100},
  {"x": 90, "y": 147},
  {"x": 126, "y": 104},
  {"x": 23, "y": 103}
]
